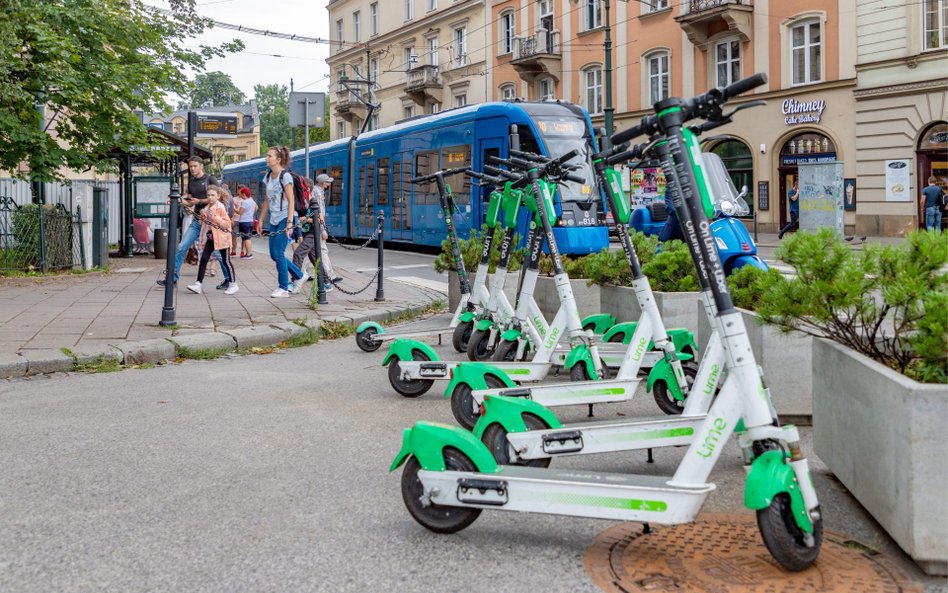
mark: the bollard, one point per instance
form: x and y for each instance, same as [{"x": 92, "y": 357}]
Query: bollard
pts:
[
  {"x": 320, "y": 280},
  {"x": 167, "y": 311},
  {"x": 380, "y": 291}
]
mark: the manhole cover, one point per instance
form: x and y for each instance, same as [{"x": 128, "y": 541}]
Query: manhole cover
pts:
[{"x": 723, "y": 553}]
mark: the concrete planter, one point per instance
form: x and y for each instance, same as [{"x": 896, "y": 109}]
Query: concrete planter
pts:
[
  {"x": 883, "y": 435},
  {"x": 587, "y": 297},
  {"x": 677, "y": 308},
  {"x": 786, "y": 360}
]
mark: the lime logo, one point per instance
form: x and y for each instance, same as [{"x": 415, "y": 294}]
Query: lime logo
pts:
[
  {"x": 538, "y": 323},
  {"x": 639, "y": 350},
  {"x": 551, "y": 340},
  {"x": 533, "y": 224},
  {"x": 712, "y": 380},
  {"x": 714, "y": 435}
]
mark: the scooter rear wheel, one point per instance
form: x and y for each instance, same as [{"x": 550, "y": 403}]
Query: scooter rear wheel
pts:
[
  {"x": 408, "y": 387},
  {"x": 495, "y": 437},
  {"x": 436, "y": 517},
  {"x": 666, "y": 401},
  {"x": 462, "y": 335},
  {"x": 479, "y": 346},
  {"x": 462, "y": 401},
  {"x": 365, "y": 340},
  {"x": 784, "y": 539}
]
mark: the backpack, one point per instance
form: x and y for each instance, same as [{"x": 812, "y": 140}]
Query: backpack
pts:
[{"x": 300, "y": 194}]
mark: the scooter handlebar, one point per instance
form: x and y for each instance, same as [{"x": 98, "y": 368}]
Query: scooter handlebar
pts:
[
  {"x": 442, "y": 173},
  {"x": 744, "y": 85}
]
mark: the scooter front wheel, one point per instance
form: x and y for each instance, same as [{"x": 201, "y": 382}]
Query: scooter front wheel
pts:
[
  {"x": 479, "y": 346},
  {"x": 366, "y": 340},
  {"x": 462, "y": 335},
  {"x": 495, "y": 437},
  {"x": 664, "y": 397},
  {"x": 787, "y": 543},
  {"x": 462, "y": 401},
  {"x": 408, "y": 387},
  {"x": 436, "y": 517},
  {"x": 506, "y": 351}
]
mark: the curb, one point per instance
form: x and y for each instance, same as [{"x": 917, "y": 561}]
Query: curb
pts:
[{"x": 160, "y": 350}]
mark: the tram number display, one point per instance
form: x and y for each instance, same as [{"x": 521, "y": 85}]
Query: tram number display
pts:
[{"x": 561, "y": 127}]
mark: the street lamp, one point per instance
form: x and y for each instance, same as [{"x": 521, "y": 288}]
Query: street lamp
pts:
[{"x": 608, "y": 47}]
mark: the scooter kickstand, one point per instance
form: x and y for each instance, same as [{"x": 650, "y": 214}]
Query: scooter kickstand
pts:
[
  {"x": 646, "y": 528},
  {"x": 650, "y": 458},
  {"x": 590, "y": 415}
]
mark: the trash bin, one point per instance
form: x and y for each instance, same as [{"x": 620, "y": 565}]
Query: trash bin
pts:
[{"x": 161, "y": 243}]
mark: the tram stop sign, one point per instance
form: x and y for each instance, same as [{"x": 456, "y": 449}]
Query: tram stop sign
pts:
[{"x": 316, "y": 111}]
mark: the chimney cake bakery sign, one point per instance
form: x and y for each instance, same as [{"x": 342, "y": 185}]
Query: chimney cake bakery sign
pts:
[{"x": 802, "y": 112}]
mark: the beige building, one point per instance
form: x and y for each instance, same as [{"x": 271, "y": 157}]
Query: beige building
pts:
[
  {"x": 408, "y": 56},
  {"x": 901, "y": 110},
  {"x": 225, "y": 148}
]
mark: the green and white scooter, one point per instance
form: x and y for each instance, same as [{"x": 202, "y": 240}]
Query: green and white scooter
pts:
[
  {"x": 370, "y": 335},
  {"x": 414, "y": 365},
  {"x": 450, "y": 476}
]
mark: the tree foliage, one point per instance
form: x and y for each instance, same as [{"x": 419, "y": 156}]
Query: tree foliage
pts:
[
  {"x": 215, "y": 89},
  {"x": 273, "y": 106},
  {"x": 91, "y": 63}
]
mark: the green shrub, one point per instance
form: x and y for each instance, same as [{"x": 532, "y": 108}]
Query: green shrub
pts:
[
  {"x": 471, "y": 253},
  {"x": 886, "y": 302},
  {"x": 672, "y": 269},
  {"x": 748, "y": 285}
]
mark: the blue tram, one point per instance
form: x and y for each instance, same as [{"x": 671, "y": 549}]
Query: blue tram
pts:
[{"x": 371, "y": 172}]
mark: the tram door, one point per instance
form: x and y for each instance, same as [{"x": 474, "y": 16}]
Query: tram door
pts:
[
  {"x": 365, "y": 197},
  {"x": 401, "y": 196}
]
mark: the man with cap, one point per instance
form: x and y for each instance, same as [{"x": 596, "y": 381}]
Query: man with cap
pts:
[{"x": 307, "y": 246}]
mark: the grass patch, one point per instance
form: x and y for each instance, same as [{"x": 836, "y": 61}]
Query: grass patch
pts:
[
  {"x": 433, "y": 308},
  {"x": 185, "y": 353},
  {"x": 100, "y": 364},
  {"x": 35, "y": 273},
  {"x": 332, "y": 330},
  {"x": 307, "y": 337}
]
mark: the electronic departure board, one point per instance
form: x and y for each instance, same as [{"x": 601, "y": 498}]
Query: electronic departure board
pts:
[{"x": 217, "y": 124}]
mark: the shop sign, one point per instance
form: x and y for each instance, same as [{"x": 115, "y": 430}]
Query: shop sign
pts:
[
  {"x": 897, "y": 181},
  {"x": 790, "y": 160},
  {"x": 802, "y": 112}
]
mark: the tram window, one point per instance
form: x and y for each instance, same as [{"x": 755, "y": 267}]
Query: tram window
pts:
[
  {"x": 370, "y": 182},
  {"x": 335, "y": 191},
  {"x": 528, "y": 143},
  {"x": 453, "y": 157},
  {"x": 426, "y": 163},
  {"x": 383, "y": 182}
]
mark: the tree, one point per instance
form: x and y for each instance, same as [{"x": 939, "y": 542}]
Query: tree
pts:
[
  {"x": 92, "y": 63},
  {"x": 215, "y": 89},
  {"x": 273, "y": 106}
]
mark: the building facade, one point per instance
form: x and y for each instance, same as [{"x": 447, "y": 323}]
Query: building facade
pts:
[
  {"x": 409, "y": 57},
  {"x": 225, "y": 148}
]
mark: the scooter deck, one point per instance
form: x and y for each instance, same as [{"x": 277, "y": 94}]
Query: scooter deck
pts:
[
  {"x": 586, "y": 438},
  {"x": 441, "y": 370},
  {"x": 569, "y": 394},
  {"x": 597, "y": 495}
]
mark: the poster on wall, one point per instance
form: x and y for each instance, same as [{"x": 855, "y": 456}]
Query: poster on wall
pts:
[
  {"x": 897, "y": 181},
  {"x": 647, "y": 185},
  {"x": 821, "y": 196},
  {"x": 849, "y": 191}
]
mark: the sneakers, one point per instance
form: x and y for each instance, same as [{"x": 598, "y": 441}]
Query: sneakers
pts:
[
  {"x": 162, "y": 282},
  {"x": 232, "y": 289},
  {"x": 294, "y": 287},
  {"x": 248, "y": 256},
  {"x": 327, "y": 287},
  {"x": 195, "y": 288},
  {"x": 337, "y": 279},
  {"x": 223, "y": 285},
  {"x": 279, "y": 294},
  {"x": 302, "y": 280}
]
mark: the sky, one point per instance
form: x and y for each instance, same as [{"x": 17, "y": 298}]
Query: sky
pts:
[{"x": 303, "y": 62}]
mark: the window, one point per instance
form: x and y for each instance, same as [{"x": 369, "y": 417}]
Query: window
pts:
[
  {"x": 507, "y": 92},
  {"x": 935, "y": 23},
  {"x": 460, "y": 100},
  {"x": 727, "y": 61},
  {"x": 434, "y": 107},
  {"x": 656, "y": 5},
  {"x": 384, "y": 185},
  {"x": 340, "y": 28},
  {"x": 335, "y": 190},
  {"x": 374, "y": 18},
  {"x": 458, "y": 156},
  {"x": 426, "y": 163},
  {"x": 593, "y": 80},
  {"x": 592, "y": 15},
  {"x": 545, "y": 91},
  {"x": 374, "y": 70},
  {"x": 340, "y": 129},
  {"x": 409, "y": 111},
  {"x": 805, "y": 52},
  {"x": 410, "y": 57},
  {"x": 432, "y": 4},
  {"x": 433, "y": 51},
  {"x": 658, "y": 77},
  {"x": 357, "y": 25},
  {"x": 460, "y": 46},
  {"x": 507, "y": 32},
  {"x": 409, "y": 12}
]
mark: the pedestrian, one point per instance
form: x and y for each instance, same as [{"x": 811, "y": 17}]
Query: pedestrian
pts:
[
  {"x": 793, "y": 196},
  {"x": 934, "y": 202},
  {"x": 195, "y": 199},
  {"x": 280, "y": 203},
  {"x": 307, "y": 248},
  {"x": 245, "y": 223},
  {"x": 215, "y": 227}
]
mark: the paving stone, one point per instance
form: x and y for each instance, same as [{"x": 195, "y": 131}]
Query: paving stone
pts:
[
  {"x": 290, "y": 330},
  {"x": 146, "y": 351},
  {"x": 204, "y": 341},
  {"x": 12, "y": 365},
  {"x": 94, "y": 353},
  {"x": 47, "y": 361},
  {"x": 257, "y": 336}
]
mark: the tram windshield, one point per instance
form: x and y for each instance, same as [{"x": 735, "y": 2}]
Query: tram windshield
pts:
[{"x": 562, "y": 130}]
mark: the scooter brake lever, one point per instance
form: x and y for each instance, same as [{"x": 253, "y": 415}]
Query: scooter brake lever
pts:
[{"x": 748, "y": 105}]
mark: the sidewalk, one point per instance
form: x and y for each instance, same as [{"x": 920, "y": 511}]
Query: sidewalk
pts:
[{"x": 105, "y": 312}]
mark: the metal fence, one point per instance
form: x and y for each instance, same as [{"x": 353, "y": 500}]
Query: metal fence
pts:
[
  {"x": 38, "y": 238},
  {"x": 62, "y": 193}
]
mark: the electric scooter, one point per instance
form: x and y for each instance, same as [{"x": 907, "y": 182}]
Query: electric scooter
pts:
[
  {"x": 370, "y": 335},
  {"x": 450, "y": 477}
]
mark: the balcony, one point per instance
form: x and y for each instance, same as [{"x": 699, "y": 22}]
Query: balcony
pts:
[
  {"x": 424, "y": 84},
  {"x": 347, "y": 105},
  {"x": 709, "y": 17},
  {"x": 538, "y": 54}
]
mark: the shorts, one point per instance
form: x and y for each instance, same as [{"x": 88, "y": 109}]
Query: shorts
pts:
[{"x": 245, "y": 229}]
